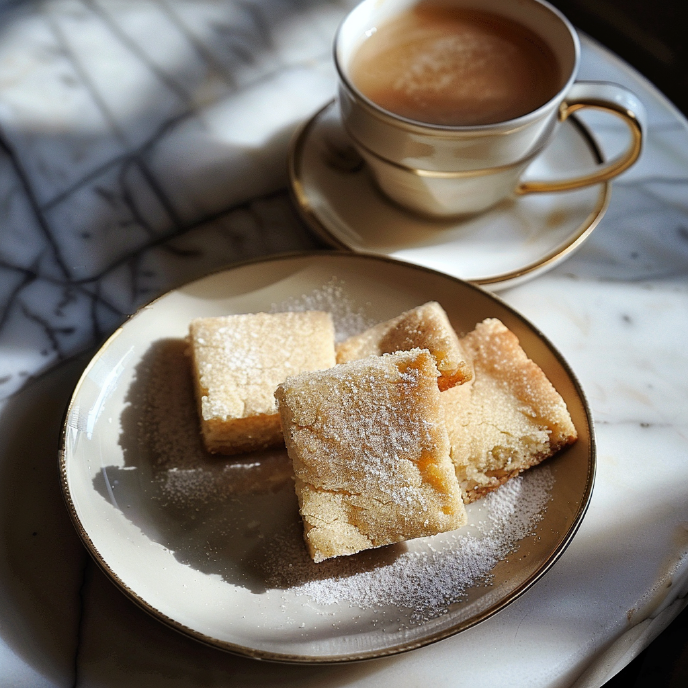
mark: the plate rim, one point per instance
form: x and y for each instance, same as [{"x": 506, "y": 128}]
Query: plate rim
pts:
[
  {"x": 502, "y": 280},
  {"x": 299, "y": 659}
]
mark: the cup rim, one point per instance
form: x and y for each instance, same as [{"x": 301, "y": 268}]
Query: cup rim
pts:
[{"x": 514, "y": 123}]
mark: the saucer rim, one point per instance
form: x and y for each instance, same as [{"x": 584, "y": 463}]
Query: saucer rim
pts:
[{"x": 299, "y": 196}]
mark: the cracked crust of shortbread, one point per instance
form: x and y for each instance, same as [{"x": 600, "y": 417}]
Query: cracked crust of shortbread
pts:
[
  {"x": 424, "y": 327},
  {"x": 508, "y": 418},
  {"x": 238, "y": 361},
  {"x": 370, "y": 453}
]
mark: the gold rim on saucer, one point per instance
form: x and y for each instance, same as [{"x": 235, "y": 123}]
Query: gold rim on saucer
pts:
[{"x": 327, "y": 230}]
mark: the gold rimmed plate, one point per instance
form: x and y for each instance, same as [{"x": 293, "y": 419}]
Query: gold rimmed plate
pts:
[
  {"x": 517, "y": 240},
  {"x": 212, "y": 546}
]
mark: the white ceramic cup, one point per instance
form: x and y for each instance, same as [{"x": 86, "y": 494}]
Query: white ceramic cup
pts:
[{"x": 443, "y": 170}]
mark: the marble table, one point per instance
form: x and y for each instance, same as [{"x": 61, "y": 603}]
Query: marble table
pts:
[{"x": 143, "y": 144}]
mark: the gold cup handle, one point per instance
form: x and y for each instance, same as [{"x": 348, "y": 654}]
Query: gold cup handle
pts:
[{"x": 610, "y": 98}]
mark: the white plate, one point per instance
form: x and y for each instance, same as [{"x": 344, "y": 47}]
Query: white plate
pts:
[
  {"x": 517, "y": 240},
  {"x": 212, "y": 545}
]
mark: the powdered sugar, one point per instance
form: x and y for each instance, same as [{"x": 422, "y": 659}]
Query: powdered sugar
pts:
[
  {"x": 430, "y": 574},
  {"x": 349, "y": 318}
]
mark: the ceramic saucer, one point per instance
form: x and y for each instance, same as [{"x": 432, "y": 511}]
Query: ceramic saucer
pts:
[{"x": 511, "y": 243}]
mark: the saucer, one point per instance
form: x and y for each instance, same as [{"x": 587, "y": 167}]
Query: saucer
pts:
[{"x": 515, "y": 241}]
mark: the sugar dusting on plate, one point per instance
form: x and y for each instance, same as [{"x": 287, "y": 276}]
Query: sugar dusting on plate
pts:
[
  {"x": 428, "y": 575},
  {"x": 424, "y": 577},
  {"x": 348, "y": 317}
]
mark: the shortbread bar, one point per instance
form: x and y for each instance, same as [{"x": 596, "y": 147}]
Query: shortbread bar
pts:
[
  {"x": 371, "y": 454},
  {"x": 238, "y": 362},
  {"x": 507, "y": 418},
  {"x": 424, "y": 327}
]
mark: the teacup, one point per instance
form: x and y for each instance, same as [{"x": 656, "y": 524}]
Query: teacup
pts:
[{"x": 443, "y": 135}]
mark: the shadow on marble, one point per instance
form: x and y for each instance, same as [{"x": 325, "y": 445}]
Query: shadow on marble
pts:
[
  {"x": 41, "y": 559},
  {"x": 631, "y": 244},
  {"x": 236, "y": 517},
  {"x": 186, "y": 136}
]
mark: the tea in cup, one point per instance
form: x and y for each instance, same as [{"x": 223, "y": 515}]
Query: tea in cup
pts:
[{"x": 449, "y": 101}]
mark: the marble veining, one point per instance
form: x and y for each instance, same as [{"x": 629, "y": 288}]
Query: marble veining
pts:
[
  {"x": 116, "y": 141},
  {"x": 143, "y": 144}
]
